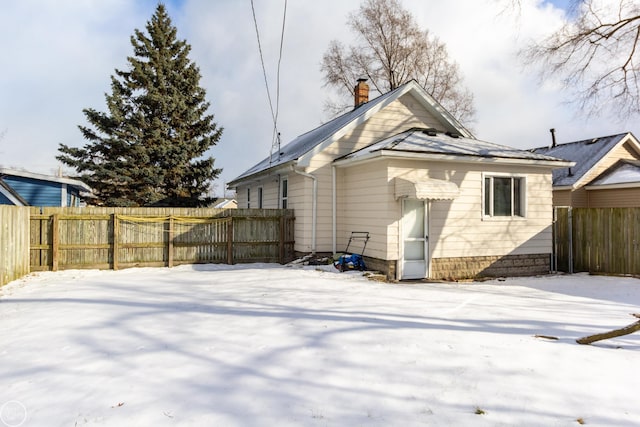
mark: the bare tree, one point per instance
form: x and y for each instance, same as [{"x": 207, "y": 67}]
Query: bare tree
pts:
[
  {"x": 391, "y": 50},
  {"x": 596, "y": 56}
]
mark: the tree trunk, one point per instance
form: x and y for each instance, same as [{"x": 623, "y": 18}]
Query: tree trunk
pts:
[{"x": 612, "y": 334}]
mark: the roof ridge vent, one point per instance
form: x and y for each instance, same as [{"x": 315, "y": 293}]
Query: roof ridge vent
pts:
[
  {"x": 453, "y": 135},
  {"x": 430, "y": 131}
]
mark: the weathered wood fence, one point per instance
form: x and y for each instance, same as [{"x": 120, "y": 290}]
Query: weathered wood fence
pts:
[
  {"x": 114, "y": 238},
  {"x": 14, "y": 243},
  {"x": 598, "y": 240}
]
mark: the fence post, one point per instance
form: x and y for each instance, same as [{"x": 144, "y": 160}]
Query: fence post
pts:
[
  {"x": 55, "y": 241},
  {"x": 282, "y": 239},
  {"x": 116, "y": 234},
  {"x": 230, "y": 241},
  {"x": 170, "y": 243},
  {"x": 570, "y": 230}
]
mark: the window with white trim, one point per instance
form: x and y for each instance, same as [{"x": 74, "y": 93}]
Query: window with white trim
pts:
[
  {"x": 249, "y": 198},
  {"x": 284, "y": 193},
  {"x": 504, "y": 196},
  {"x": 259, "y": 197}
]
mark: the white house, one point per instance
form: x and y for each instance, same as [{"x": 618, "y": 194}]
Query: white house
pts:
[{"x": 437, "y": 202}]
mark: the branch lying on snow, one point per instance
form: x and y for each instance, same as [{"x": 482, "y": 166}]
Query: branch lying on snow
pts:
[
  {"x": 547, "y": 337},
  {"x": 612, "y": 334}
]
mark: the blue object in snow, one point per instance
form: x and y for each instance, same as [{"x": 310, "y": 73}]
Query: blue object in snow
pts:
[{"x": 350, "y": 262}]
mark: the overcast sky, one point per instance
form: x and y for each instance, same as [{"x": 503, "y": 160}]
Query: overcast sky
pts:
[{"x": 58, "y": 56}]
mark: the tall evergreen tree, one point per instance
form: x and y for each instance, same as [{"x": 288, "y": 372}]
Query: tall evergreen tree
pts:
[{"x": 148, "y": 148}]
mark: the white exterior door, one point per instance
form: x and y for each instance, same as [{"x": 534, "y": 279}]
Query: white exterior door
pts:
[{"x": 415, "y": 239}]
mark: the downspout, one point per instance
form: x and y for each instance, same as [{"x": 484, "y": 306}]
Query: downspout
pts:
[
  {"x": 314, "y": 206},
  {"x": 333, "y": 209}
]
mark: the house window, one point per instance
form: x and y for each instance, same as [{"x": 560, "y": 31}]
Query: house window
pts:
[
  {"x": 504, "y": 196},
  {"x": 259, "y": 197},
  {"x": 284, "y": 193},
  {"x": 248, "y": 198}
]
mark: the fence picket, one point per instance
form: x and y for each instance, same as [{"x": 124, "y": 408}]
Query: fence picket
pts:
[
  {"x": 604, "y": 240},
  {"x": 125, "y": 237}
]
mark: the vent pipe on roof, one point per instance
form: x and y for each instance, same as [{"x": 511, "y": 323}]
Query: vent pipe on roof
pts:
[
  {"x": 361, "y": 93},
  {"x": 553, "y": 137}
]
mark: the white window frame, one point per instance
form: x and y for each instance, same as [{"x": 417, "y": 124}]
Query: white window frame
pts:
[
  {"x": 248, "y": 197},
  {"x": 260, "y": 197},
  {"x": 284, "y": 193},
  {"x": 523, "y": 196}
]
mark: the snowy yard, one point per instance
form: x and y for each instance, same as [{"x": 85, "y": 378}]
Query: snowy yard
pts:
[{"x": 266, "y": 345}]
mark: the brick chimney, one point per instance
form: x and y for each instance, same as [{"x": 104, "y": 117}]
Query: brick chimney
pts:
[{"x": 361, "y": 93}]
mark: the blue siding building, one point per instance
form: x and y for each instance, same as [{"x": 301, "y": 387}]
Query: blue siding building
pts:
[{"x": 20, "y": 188}]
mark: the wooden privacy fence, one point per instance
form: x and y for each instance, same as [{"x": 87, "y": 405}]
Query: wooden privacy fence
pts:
[
  {"x": 14, "y": 243},
  {"x": 65, "y": 238},
  {"x": 598, "y": 240}
]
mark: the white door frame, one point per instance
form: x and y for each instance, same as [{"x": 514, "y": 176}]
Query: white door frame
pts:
[{"x": 415, "y": 269}]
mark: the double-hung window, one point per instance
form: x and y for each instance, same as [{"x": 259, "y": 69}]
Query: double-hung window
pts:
[
  {"x": 259, "y": 197},
  {"x": 504, "y": 195},
  {"x": 248, "y": 198},
  {"x": 284, "y": 193}
]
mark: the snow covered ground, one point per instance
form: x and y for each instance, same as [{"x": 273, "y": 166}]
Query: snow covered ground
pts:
[{"x": 266, "y": 345}]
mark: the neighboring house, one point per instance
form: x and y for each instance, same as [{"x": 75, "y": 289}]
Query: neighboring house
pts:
[
  {"x": 606, "y": 172},
  {"x": 437, "y": 202},
  {"x": 225, "y": 203},
  {"x": 22, "y": 188}
]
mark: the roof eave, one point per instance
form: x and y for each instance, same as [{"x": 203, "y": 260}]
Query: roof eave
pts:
[
  {"x": 553, "y": 164},
  {"x": 58, "y": 179},
  {"x": 257, "y": 176},
  {"x": 563, "y": 187},
  {"x": 622, "y": 185}
]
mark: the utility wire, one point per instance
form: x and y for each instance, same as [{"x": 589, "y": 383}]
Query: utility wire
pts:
[
  {"x": 274, "y": 114},
  {"x": 284, "y": 18}
]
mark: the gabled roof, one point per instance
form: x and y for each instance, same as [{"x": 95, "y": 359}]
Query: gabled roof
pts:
[
  {"x": 586, "y": 154},
  {"x": 420, "y": 141},
  {"x": 302, "y": 148},
  {"x": 62, "y": 180},
  {"x": 225, "y": 203},
  {"x": 622, "y": 173}
]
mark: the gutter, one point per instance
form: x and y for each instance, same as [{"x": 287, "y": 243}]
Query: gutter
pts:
[
  {"x": 407, "y": 155},
  {"x": 257, "y": 176},
  {"x": 314, "y": 206},
  {"x": 334, "y": 204},
  {"x": 618, "y": 186}
]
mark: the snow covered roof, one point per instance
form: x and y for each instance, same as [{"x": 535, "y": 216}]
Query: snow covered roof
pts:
[
  {"x": 586, "y": 154},
  {"x": 623, "y": 172},
  {"x": 310, "y": 142},
  {"x": 430, "y": 141}
]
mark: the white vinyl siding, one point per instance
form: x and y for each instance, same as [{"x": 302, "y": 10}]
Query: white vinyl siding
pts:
[
  {"x": 401, "y": 114},
  {"x": 457, "y": 227}
]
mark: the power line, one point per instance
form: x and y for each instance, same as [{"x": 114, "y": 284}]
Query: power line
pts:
[
  {"x": 274, "y": 114},
  {"x": 264, "y": 70},
  {"x": 284, "y": 18}
]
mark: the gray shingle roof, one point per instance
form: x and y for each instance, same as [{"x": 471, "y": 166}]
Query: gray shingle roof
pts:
[
  {"x": 585, "y": 154},
  {"x": 426, "y": 141},
  {"x": 307, "y": 141},
  {"x": 304, "y": 143}
]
